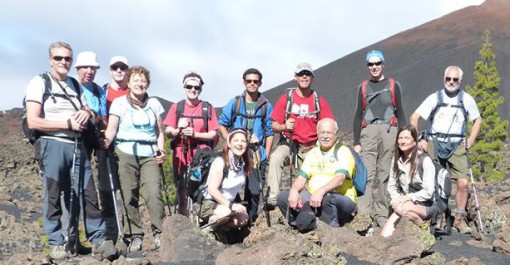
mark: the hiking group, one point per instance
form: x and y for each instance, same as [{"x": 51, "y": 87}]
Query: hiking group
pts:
[{"x": 390, "y": 172}]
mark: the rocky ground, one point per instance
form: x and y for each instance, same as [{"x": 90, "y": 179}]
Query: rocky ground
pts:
[{"x": 22, "y": 239}]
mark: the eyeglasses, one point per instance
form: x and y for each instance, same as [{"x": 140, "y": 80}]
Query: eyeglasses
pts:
[
  {"x": 189, "y": 87},
  {"x": 59, "y": 58},
  {"x": 122, "y": 67},
  {"x": 249, "y": 81},
  {"x": 303, "y": 73},
  {"x": 455, "y": 79},
  {"x": 376, "y": 64}
]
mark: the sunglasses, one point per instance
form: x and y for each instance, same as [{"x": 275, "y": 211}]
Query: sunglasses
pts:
[
  {"x": 376, "y": 64},
  {"x": 455, "y": 79},
  {"x": 189, "y": 87},
  {"x": 122, "y": 67},
  {"x": 249, "y": 81},
  {"x": 59, "y": 58},
  {"x": 303, "y": 73}
]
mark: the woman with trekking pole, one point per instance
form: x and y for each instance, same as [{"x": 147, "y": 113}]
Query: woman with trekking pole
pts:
[
  {"x": 227, "y": 175},
  {"x": 135, "y": 127},
  {"x": 411, "y": 182}
]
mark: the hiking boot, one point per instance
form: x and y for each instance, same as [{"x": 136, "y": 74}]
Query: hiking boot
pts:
[
  {"x": 136, "y": 244},
  {"x": 104, "y": 250},
  {"x": 157, "y": 240},
  {"x": 461, "y": 225},
  {"x": 270, "y": 205},
  {"x": 58, "y": 252}
]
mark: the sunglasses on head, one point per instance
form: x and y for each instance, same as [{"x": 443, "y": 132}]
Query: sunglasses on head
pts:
[
  {"x": 122, "y": 67},
  {"x": 448, "y": 79},
  {"x": 189, "y": 87},
  {"x": 376, "y": 63},
  {"x": 303, "y": 73},
  {"x": 59, "y": 58},
  {"x": 249, "y": 81}
]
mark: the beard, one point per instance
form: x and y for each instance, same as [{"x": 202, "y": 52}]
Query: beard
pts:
[{"x": 451, "y": 89}]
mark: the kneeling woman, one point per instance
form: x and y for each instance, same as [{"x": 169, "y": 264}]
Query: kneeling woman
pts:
[
  {"x": 219, "y": 207},
  {"x": 411, "y": 183}
]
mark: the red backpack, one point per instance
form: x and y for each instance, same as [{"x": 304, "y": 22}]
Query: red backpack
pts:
[{"x": 364, "y": 84}]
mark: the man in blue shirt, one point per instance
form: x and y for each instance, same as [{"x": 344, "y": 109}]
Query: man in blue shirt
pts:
[{"x": 251, "y": 111}]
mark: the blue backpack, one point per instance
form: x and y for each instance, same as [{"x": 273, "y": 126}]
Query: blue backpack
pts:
[{"x": 360, "y": 175}]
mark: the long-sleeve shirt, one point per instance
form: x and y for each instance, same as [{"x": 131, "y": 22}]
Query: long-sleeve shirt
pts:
[{"x": 398, "y": 183}]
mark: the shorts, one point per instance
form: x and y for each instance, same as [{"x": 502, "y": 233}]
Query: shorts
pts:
[{"x": 457, "y": 163}]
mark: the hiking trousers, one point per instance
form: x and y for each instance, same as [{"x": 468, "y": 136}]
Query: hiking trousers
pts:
[
  {"x": 56, "y": 165},
  {"x": 105, "y": 190},
  {"x": 140, "y": 176},
  {"x": 336, "y": 209},
  {"x": 377, "y": 143}
]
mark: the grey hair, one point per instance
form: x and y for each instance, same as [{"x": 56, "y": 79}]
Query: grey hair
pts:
[
  {"x": 451, "y": 67},
  {"x": 59, "y": 44},
  {"x": 335, "y": 124}
]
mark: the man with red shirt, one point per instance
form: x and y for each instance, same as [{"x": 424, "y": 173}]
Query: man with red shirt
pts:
[
  {"x": 118, "y": 85},
  {"x": 189, "y": 132},
  {"x": 297, "y": 123}
]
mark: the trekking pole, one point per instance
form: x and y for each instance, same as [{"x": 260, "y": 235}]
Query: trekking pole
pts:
[
  {"x": 293, "y": 161},
  {"x": 115, "y": 206},
  {"x": 163, "y": 180},
  {"x": 73, "y": 245},
  {"x": 217, "y": 221},
  {"x": 477, "y": 205}
]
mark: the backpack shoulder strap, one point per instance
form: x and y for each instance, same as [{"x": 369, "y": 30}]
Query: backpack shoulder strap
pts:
[
  {"x": 439, "y": 96},
  {"x": 392, "y": 89},
  {"x": 364, "y": 85},
  {"x": 95, "y": 90},
  {"x": 317, "y": 104},
  {"x": 236, "y": 110},
  {"x": 179, "y": 110},
  {"x": 288, "y": 105},
  {"x": 206, "y": 114},
  {"x": 335, "y": 150}
]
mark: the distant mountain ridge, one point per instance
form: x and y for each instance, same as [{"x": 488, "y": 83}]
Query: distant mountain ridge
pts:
[{"x": 417, "y": 59}]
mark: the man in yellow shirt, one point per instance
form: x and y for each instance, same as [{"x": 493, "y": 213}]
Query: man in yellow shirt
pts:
[{"x": 328, "y": 170}]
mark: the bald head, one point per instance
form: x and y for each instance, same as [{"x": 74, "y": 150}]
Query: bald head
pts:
[{"x": 327, "y": 129}]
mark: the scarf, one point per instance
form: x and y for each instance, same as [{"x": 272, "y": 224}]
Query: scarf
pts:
[
  {"x": 236, "y": 162},
  {"x": 136, "y": 103}
]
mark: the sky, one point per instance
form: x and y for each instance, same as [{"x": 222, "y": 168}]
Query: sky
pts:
[{"x": 218, "y": 39}]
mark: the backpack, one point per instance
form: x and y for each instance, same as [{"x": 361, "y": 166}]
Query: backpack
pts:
[
  {"x": 237, "y": 108},
  {"x": 441, "y": 103},
  {"x": 442, "y": 192},
  {"x": 206, "y": 115},
  {"x": 364, "y": 85},
  {"x": 360, "y": 176},
  {"x": 290, "y": 102},
  {"x": 30, "y": 134},
  {"x": 196, "y": 179}
]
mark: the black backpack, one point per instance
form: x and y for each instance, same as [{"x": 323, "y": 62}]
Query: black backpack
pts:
[
  {"x": 196, "y": 179},
  {"x": 206, "y": 115},
  {"x": 30, "y": 134}
]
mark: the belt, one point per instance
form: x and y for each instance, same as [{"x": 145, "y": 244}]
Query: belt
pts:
[{"x": 379, "y": 122}]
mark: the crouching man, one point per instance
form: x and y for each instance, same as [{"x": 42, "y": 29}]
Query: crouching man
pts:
[{"x": 331, "y": 196}]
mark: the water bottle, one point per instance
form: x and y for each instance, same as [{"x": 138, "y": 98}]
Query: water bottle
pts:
[{"x": 196, "y": 175}]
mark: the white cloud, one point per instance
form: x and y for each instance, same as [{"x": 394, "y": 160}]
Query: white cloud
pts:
[{"x": 219, "y": 39}]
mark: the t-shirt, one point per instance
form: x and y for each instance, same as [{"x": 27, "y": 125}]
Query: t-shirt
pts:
[
  {"x": 196, "y": 123},
  {"x": 250, "y": 111},
  {"x": 136, "y": 133},
  {"x": 305, "y": 128},
  {"x": 231, "y": 184},
  {"x": 97, "y": 104},
  {"x": 56, "y": 107},
  {"x": 321, "y": 167},
  {"x": 448, "y": 119},
  {"x": 112, "y": 94}
]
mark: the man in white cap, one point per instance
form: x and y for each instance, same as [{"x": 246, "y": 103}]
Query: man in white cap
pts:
[
  {"x": 295, "y": 116},
  {"x": 86, "y": 66},
  {"x": 378, "y": 114},
  {"x": 117, "y": 87}
]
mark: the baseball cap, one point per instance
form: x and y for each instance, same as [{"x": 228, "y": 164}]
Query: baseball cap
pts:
[
  {"x": 303, "y": 67},
  {"x": 375, "y": 53},
  {"x": 306, "y": 220},
  {"x": 86, "y": 59},
  {"x": 118, "y": 59}
]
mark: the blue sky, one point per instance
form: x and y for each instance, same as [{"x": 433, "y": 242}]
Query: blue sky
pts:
[{"x": 218, "y": 39}]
